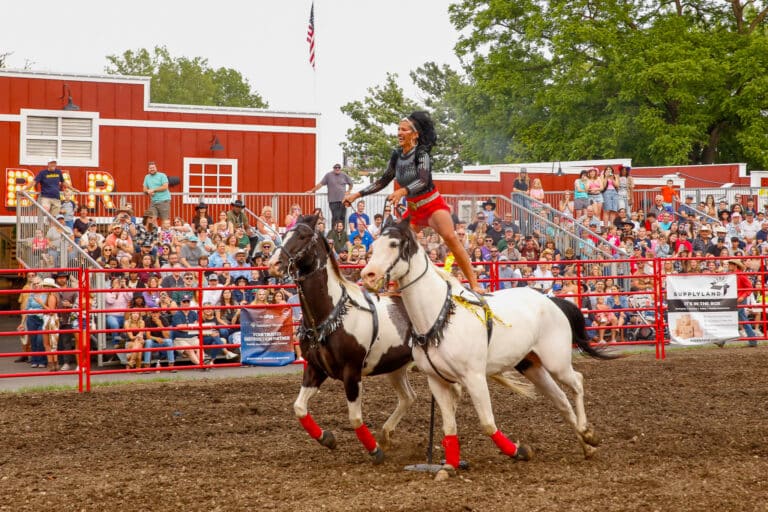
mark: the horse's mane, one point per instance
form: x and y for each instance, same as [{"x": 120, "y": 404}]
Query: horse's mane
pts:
[
  {"x": 349, "y": 285},
  {"x": 448, "y": 277}
]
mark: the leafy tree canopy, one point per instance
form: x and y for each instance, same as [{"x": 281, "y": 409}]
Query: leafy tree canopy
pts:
[
  {"x": 180, "y": 80},
  {"x": 374, "y": 135},
  {"x": 661, "y": 82}
]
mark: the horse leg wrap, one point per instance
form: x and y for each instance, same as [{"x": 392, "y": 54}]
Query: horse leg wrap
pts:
[
  {"x": 365, "y": 437},
  {"x": 451, "y": 446},
  {"x": 311, "y": 427},
  {"x": 506, "y": 446}
]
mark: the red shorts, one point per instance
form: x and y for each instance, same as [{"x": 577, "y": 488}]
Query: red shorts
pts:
[{"x": 421, "y": 207}]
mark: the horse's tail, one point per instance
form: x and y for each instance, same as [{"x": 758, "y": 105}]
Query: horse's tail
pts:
[{"x": 579, "y": 329}]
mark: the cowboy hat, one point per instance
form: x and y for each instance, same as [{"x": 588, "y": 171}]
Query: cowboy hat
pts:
[
  {"x": 49, "y": 282},
  {"x": 490, "y": 203},
  {"x": 201, "y": 206},
  {"x": 237, "y": 203},
  {"x": 738, "y": 263}
]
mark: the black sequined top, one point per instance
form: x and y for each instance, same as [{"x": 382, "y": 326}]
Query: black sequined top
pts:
[{"x": 412, "y": 170}]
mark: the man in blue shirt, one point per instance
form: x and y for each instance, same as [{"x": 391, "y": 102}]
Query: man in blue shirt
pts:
[
  {"x": 51, "y": 182},
  {"x": 365, "y": 237},
  {"x": 359, "y": 214},
  {"x": 156, "y": 186}
]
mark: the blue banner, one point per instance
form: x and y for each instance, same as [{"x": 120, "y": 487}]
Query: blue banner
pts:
[{"x": 266, "y": 336}]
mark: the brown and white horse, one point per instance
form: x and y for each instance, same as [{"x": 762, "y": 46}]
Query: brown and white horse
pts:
[
  {"x": 460, "y": 339},
  {"x": 345, "y": 334}
]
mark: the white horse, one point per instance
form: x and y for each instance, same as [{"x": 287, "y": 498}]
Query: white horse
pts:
[{"x": 463, "y": 340}]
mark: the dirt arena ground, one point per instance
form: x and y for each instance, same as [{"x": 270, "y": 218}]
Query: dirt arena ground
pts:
[{"x": 686, "y": 434}]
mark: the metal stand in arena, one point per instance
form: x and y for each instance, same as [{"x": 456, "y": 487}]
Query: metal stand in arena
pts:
[{"x": 430, "y": 467}]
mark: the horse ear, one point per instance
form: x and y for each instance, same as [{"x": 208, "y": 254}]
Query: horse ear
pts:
[
  {"x": 389, "y": 221},
  {"x": 309, "y": 220},
  {"x": 404, "y": 225}
]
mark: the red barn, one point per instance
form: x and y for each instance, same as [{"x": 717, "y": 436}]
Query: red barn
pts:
[{"x": 103, "y": 130}]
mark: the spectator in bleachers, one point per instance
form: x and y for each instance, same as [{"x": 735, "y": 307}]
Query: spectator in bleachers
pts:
[
  {"x": 228, "y": 315},
  {"x": 358, "y": 214},
  {"x": 201, "y": 213},
  {"x": 365, "y": 237},
  {"x": 710, "y": 207},
  {"x": 595, "y": 187},
  {"x": 521, "y": 185},
  {"x": 495, "y": 232},
  {"x": 212, "y": 336},
  {"x": 158, "y": 336},
  {"x": 221, "y": 256},
  {"x": 118, "y": 301},
  {"x": 733, "y": 226},
  {"x": 610, "y": 195},
  {"x": 151, "y": 291},
  {"x": 182, "y": 337},
  {"x": 530, "y": 250},
  {"x": 375, "y": 228},
  {"x": 243, "y": 294},
  {"x": 478, "y": 223},
  {"x": 669, "y": 195},
  {"x": 294, "y": 212},
  {"x": 134, "y": 338},
  {"x": 191, "y": 251},
  {"x": 267, "y": 226},
  {"x": 580, "y": 195},
  {"x": 749, "y": 226},
  {"x": 266, "y": 248},
  {"x": 107, "y": 253},
  {"x": 338, "y": 237}
]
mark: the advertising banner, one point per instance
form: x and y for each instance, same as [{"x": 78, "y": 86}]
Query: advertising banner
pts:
[
  {"x": 702, "y": 309},
  {"x": 266, "y": 336}
]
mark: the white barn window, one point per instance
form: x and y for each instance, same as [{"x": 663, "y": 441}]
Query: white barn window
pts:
[
  {"x": 70, "y": 137},
  {"x": 212, "y": 180}
]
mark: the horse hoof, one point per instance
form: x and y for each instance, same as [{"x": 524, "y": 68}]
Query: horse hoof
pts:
[
  {"x": 523, "y": 452},
  {"x": 328, "y": 440},
  {"x": 590, "y": 437},
  {"x": 385, "y": 440},
  {"x": 377, "y": 456},
  {"x": 589, "y": 452},
  {"x": 444, "y": 473}
]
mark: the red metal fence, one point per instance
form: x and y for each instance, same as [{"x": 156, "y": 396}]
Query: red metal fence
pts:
[{"x": 622, "y": 301}]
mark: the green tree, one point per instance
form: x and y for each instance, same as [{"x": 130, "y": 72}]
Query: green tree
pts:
[
  {"x": 662, "y": 82},
  {"x": 370, "y": 141},
  {"x": 180, "y": 80},
  {"x": 374, "y": 135}
]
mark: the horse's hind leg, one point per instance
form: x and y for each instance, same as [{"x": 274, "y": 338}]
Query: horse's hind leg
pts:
[
  {"x": 477, "y": 387},
  {"x": 547, "y": 385},
  {"x": 405, "y": 397},
  {"x": 353, "y": 388},
  {"x": 575, "y": 381},
  {"x": 309, "y": 387}
]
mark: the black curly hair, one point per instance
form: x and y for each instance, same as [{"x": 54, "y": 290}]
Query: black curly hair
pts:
[{"x": 422, "y": 122}]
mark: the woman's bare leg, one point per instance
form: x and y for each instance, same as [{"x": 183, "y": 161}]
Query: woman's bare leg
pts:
[{"x": 442, "y": 222}]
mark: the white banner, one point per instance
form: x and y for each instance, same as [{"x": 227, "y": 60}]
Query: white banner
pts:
[{"x": 702, "y": 309}]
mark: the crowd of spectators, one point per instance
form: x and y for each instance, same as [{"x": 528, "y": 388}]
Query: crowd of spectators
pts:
[{"x": 149, "y": 256}]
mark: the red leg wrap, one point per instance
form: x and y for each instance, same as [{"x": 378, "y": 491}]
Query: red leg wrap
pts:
[
  {"x": 311, "y": 427},
  {"x": 451, "y": 446},
  {"x": 365, "y": 437},
  {"x": 506, "y": 446}
]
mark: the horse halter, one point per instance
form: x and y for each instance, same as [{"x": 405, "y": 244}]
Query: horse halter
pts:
[
  {"x": 292, "y": 267},
  {"x": 401, "y": 256}
]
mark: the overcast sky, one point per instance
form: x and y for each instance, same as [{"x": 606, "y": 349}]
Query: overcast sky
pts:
[{"x": 357, "y": 43}]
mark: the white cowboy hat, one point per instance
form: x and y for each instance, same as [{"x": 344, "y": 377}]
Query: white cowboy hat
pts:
[{"x": 49, "y": 282}]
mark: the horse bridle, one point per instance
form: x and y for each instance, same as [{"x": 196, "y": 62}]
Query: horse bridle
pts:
[
  {"x": 401, "y": 256},
  {"x": 292, "y": 267},
  {"x": 315, "y": 331}
]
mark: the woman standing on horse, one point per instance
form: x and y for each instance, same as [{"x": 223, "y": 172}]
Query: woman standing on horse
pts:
[{"x": 411, "y": 167}]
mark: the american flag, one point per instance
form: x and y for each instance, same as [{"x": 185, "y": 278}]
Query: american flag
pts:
[{"x": 311, "y": 36}]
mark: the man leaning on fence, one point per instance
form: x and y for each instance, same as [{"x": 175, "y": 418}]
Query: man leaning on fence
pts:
[{"x": 335, "y": 180}]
